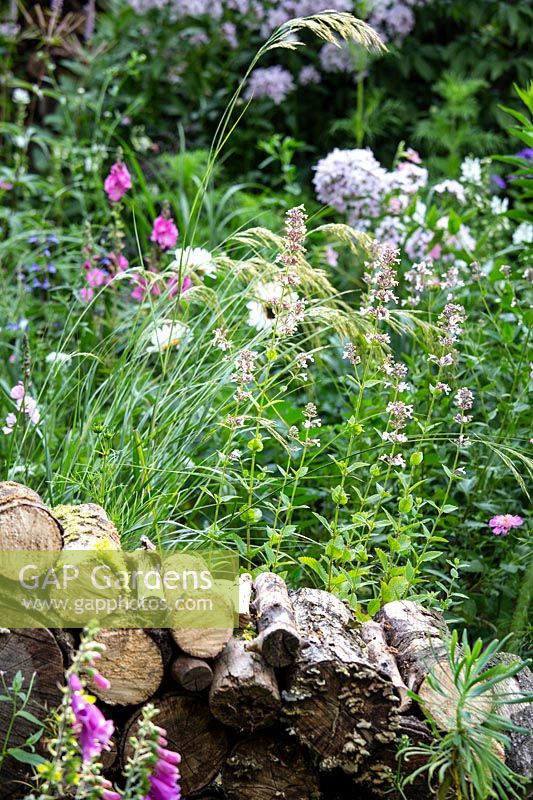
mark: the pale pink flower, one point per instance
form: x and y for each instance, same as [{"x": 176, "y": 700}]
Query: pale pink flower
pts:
[
  {"x": 501, "y": 524},
  {"x": 117, "y": 182},
  {"x": 18, "y": 391},
  {"x": 164, "y": 232},
  {"x": 11, "y": 421},
  {"x": 87, "y": 294}
]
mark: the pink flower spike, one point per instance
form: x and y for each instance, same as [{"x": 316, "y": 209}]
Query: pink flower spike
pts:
[
  {"x": 74, "y": 683},
  {"x": 164, "y": 232},
  {"x": 117, "y": 182},
  {"x": 501, "y": 524}
]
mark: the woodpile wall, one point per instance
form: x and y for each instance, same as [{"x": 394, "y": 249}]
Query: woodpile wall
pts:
[{"x": 299, "y": 703}]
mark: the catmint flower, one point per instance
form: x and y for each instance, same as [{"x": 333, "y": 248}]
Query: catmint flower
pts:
[
  {"x": 443, "y": 361},
  {"x": 505, "y": 270},
  {"x": 310, "y": 413},
  {"x": 302, "y": 362},
  {"x": 501, "y": 524},
  {"x": 234, "y": 422},
  {"x": 117, "y": 182},
  {"x": 377, "y": 338},
  {"x": 220, "y": 339},
  {"x": 293, "y": 432},
  {"x": 350, "y": 354},
  {"x": 393, "y": 368},
  {"x": 164, "y": 232},
  {"x": 235, "y": 455},
  {"x": 450, "y": 320},
  {"x": 295, "y": 233},
  {"x": 293, "y": 313},
  {"x": 464, "y": 400},
  {"x": 396, "y": 460},
  {"x": 443, "y": 387}
]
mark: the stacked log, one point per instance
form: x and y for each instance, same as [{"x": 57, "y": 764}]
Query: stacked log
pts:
[{"x": 300, "y": 702}]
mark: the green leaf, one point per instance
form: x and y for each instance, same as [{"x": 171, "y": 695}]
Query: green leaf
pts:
[{"x": 26, "y": 758}]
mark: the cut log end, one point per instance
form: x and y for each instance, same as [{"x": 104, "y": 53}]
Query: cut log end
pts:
[
  {"x": 244, "y": 693},
  {"x": 25, "y": 522},
  {"x": 202, "y": 642},
  {"x": 132, "y": 663},
  {"x": 268, "y": 767},
  {"x": 193, "y": 674},
  {"x": 192, "y": 731}
]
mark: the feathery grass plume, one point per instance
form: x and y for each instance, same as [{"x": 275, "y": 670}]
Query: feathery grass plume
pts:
[
  {"x": 357, "y": 241},
  {"x": 329, "y": 26}
]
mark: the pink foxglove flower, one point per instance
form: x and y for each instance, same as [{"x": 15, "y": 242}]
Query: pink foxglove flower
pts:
[
  {"x": 96, "y": 277},
  {"x": 117, "y": 182},
  {"x": 93, "y": 729},
  {"x": 164, "y": 780},
  {"x": 164, "y": 232},
  {"x": 501, "y": 524}
]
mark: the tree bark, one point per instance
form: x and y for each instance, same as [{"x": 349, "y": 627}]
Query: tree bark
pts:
[
  {"x": 244, "y": 693},
  {"x": 279, "y": 639},
  {"x": 268, "y": 767},
  {"x": 415, "y": 635},
  {"x": 193, "y": 732},
  {"x": 336, "y": 701},
  {"x": 380, "y": 655},
  {"x": 26, "y": 523},
  {"x": 87, "y": 527},
  {"x": 193, "y": 674},
  {"x": 35, "y": 653},
  {"x": 133, "y": 664}
]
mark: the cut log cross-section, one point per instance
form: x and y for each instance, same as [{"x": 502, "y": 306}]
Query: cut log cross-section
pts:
[
  {"x": 279, "y": 639},
  {"x": 25, "y": 522},
  {"x": 244, "y": 693},
  {"x": 132, "y": 663},
  {"x": 194, "y": 674},
  {"x": 192, "y": 731},
  {"x": 337, "y": 701},
  {"x": 268, "y": 767}
]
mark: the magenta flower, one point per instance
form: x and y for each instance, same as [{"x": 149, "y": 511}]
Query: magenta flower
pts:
[
  {"x": 97, "y": 277},
  {"x": 164, "y": 780},
  {"x": 94, "y": 731},
  {"x": 501, "y": 524},
  {"x": 117, "y": 182},
  {"x": 164, "y": 232}
]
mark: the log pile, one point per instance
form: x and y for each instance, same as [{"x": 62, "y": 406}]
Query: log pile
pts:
[{"x": 299, "y": 703}]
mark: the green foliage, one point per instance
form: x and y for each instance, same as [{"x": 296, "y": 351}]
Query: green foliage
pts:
[{"x": 465, "y": 761}]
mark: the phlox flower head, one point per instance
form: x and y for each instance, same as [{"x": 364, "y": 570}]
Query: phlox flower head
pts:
[
  {"x": 501, "y": 524},
  {"x": 164, "y": 232},
  {"x": 274, "y": 83},
  {"x": 117, "y": 182}
]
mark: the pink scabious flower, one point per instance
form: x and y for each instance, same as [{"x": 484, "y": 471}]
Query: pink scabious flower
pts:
[
  {"x": 117, "y": 182},
  {"x": 94, "y": 731},
  {"x": 164, "y": 780},
  {"x": 164, "y": 232},
  {"x": 501, "y": 524}
]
